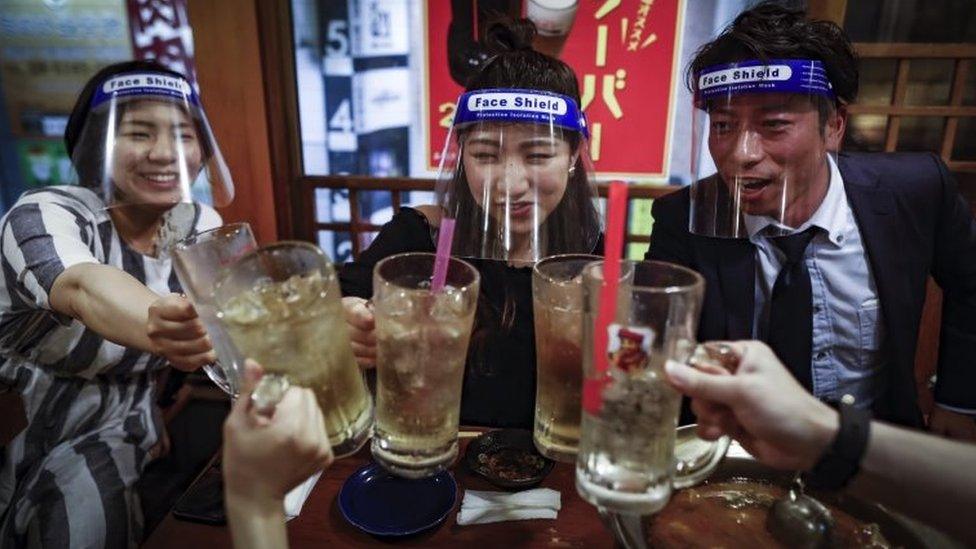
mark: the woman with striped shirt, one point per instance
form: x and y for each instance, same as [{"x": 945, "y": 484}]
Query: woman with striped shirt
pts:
[{"x": 90, "y": 311}]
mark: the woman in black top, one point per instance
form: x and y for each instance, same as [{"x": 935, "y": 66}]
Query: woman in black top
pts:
[{"x": 520, "y": 191}]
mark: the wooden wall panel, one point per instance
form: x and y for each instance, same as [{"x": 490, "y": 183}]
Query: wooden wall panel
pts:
[
  {"x": 827, "y": 10},
  {"x": 228, "y": 60}
]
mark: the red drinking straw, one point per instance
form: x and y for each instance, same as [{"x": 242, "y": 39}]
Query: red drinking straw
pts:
[
  {"x": 444, "y": 239},
  {"x": 613, "y": 251}
]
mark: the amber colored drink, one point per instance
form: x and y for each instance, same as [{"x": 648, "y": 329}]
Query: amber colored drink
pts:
[
  {"x": 295, "y": 328},
  {"x": 557, "y": 299},
  {"x": 421, "y": 346}
]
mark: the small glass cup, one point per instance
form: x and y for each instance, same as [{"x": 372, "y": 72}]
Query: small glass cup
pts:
[
  {"x": 421, "y": 348},
  {"x": 281, "y": 306},
  {"x": 554, "y": 20},
  {"x": 198, "y": 261},
  {"x": 626, "y": 462},
  {"x": 557, "y": 303}
]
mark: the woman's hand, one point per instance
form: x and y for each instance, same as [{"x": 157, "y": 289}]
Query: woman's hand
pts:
[
  {"x": 265, "y": 456},
  {"x": 359, "y": 317},
  {"x": 176, "y": 333}
]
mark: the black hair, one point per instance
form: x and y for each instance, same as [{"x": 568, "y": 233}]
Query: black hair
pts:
[
  {"x": 770, "y": 31},
  {"x": 82, "y": 130},
  {"x": 516, "y": 65}
]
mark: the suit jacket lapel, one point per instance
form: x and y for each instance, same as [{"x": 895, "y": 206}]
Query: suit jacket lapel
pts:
[{"x": 881, "y": 234}]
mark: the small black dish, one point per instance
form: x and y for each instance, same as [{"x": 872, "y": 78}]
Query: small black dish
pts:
[{"x": 507, "y": 458}]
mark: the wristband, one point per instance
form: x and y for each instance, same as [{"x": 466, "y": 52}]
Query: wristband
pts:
[{"x": 842, "y": 460}]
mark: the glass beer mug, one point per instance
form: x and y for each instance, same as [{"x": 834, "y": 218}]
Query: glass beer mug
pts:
[{"x": 626, "y": 462}]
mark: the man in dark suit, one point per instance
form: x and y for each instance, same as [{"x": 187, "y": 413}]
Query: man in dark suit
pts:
[{"x": 842, "y": 309}]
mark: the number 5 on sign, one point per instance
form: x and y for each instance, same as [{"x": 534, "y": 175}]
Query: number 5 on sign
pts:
[{"x": 337, "y": 38}]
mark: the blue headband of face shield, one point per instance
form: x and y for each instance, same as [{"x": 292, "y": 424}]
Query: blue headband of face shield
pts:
[
  {"x": 145, "y": 84},
  {"x": 799, "y": 76},
  {"x": 520, "y": 106}
]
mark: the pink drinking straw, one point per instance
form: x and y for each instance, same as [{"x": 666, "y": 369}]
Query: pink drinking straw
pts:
[
  {"x": 444, "y": 240},
  {"x": 616, "y": 215}
]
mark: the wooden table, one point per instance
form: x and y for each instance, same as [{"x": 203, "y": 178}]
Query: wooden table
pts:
[{"x": 322, "y": 525}]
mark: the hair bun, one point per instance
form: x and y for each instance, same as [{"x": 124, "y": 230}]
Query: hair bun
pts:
[{"x": 509, "y": 35}]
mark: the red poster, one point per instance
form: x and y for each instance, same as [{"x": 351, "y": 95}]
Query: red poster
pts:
[{"x": 625, "y": 54}]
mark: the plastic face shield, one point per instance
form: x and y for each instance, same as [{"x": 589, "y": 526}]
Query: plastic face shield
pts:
[
  {"x": 516, "y": 176},
  {"x": 147, "y": 142},
  {"x": 758, "y": 150}
]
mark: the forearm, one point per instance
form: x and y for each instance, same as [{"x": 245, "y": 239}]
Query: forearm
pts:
[
  {"x": 256, "y": 525},
  {"x": 108, "y": 301},
  {"x": 926, "y": 477}
]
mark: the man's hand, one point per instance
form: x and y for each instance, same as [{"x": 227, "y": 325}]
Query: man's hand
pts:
[
  {"x": 760, "y": 405},
  {"x": 952, "y": 424},
  {"x": 178, "y": 335}
]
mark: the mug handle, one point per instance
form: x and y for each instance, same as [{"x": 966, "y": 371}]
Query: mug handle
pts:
[
  {"x": 268, "y": 393},
  {"x": 695, "y": 458},
  {"x": 216, "y": 374},
  {"x": 696, "y": 468}
]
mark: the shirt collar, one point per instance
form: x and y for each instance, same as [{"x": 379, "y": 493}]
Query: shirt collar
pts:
[{"x": 831, "y": 215}]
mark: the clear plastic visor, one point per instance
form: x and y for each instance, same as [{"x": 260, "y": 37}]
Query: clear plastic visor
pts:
[
  {"x": 518, "y": 191},
  {"x": 149, "y": 143},
  {"x": 759, "y": 155}
]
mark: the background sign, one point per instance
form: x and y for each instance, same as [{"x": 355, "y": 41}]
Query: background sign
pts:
[
  {"x": 625, "y": 53},
  {"x": 47, "y": 52}
]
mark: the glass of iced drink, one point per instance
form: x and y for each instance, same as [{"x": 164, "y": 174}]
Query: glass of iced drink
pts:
[
  {"x": 198, "y": 261},
  {"x": 281, "y": 306},
  {"x": 626, "y": 462},
  {"x": 421, "y": 347},
  {"x": 557, "y": 303}
]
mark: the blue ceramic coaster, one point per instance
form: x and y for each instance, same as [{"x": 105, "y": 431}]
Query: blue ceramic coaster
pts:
[{"x": 380, "y": 503}]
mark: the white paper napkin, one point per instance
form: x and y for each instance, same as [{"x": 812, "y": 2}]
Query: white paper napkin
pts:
[
  {"x": 295, "y": 499},
  {"x": 482, "y": 507}
]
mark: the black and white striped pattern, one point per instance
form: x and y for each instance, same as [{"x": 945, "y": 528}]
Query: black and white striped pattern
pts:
[{"x": 67, "y": 480}]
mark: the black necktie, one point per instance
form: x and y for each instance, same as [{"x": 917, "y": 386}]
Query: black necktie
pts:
[{"x": 790, "y": 332}]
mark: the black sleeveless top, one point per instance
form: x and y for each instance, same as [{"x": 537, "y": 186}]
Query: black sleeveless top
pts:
[{"x": 499, "y": 376}]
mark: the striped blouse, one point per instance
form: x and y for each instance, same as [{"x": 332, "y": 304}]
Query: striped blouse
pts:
[
  {"x": 46, "y": 232},
  {"x": 68, "y": 479}
]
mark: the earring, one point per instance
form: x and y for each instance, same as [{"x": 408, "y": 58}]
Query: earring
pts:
[{"x": 572, "y": 170}]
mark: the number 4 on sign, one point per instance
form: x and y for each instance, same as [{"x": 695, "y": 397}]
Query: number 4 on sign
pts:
[{"x": 342, "y": 119}]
